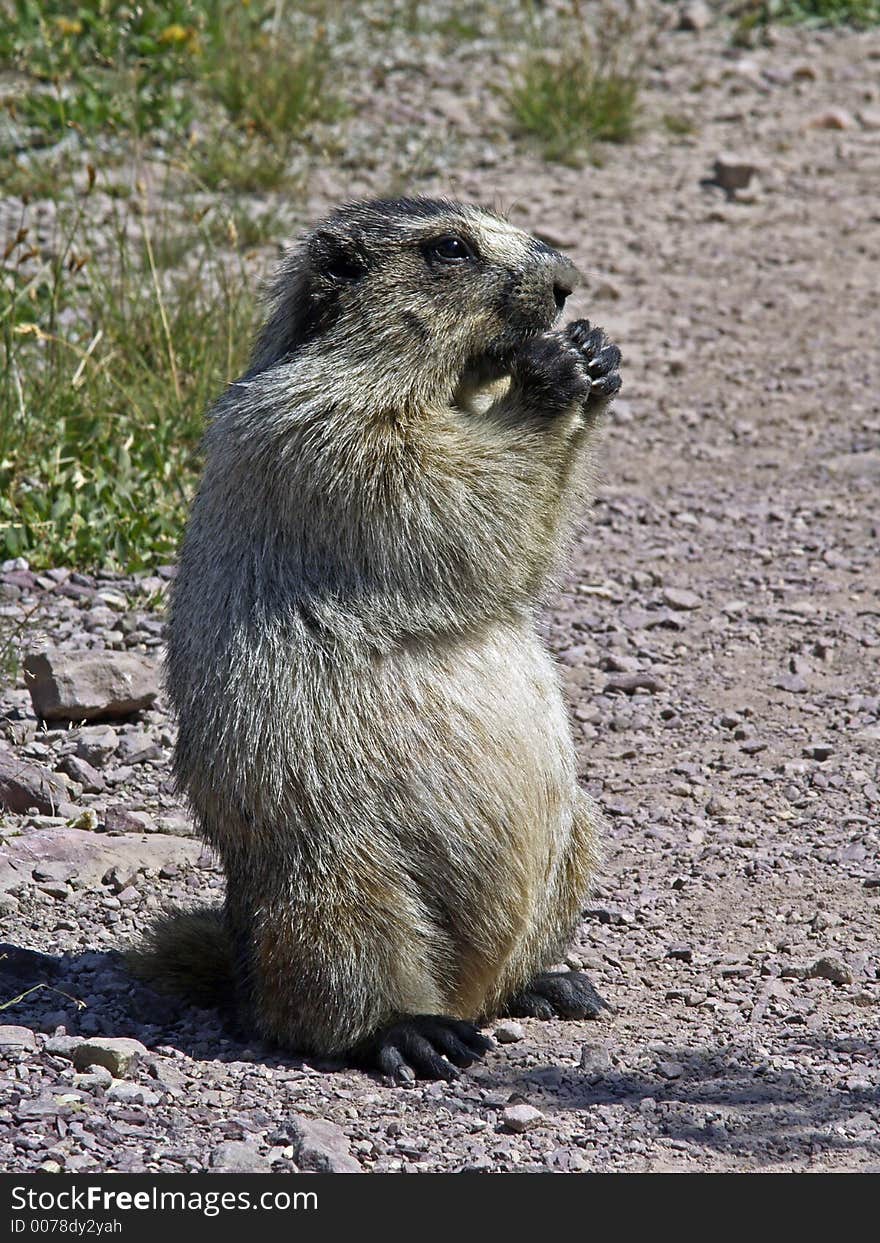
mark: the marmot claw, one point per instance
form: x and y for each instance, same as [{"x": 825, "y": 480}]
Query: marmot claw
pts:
[
  {"x": 602, "y": 359},
  {"x": 551, "y": 995},
  {"x": 427, "y": 1046}
]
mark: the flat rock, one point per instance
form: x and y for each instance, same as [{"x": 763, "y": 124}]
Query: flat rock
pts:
[
  {"x": 24, "y": 785},
  {"x": 595, "y": 1060},
  {"x": 81, "y": 771},
  {"x": 521, "y": 1118},
  {"x": 239, "y": 1157},
  {"x": 12, "y": 1038},
  {"x": 733, "y": 171},
  {"x": 118, "y": 1054},
  {"x": 629, "y": 683},
  {"x": 96, "y": 743},
  {"x": 681, "y": 600},
  {"x": 832, "y": 118},
  {"x": 85, "y": 686},
  {"x": 830, "y": 967},
  {"x": 865, "y": 464},
  {"x": 131, "y": 1093},
  {"x": 90, "y": 855},
  {"x": 321, "y": 1146}
]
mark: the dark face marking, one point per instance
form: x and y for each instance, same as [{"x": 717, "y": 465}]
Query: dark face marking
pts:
[{"x": 417, "y": 327}]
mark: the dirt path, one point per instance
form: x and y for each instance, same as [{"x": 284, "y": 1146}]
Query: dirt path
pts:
[{"x": 731, "y": 560}]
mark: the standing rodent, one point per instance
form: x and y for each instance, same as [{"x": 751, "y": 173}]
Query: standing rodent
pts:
[{"x": 371, "y": 733}]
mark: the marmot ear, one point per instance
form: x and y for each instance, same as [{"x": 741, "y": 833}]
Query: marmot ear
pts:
[{"x": 336, "y": 259}]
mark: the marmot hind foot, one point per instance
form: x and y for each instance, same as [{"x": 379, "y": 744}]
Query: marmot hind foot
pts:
[
  {"x": 424, "y": 1046},
  {"x": 552, "y": 995}
]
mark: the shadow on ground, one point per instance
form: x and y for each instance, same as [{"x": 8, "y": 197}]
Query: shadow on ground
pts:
[{"x": 721, "y": 1099}]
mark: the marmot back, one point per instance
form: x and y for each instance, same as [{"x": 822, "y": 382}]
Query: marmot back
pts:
[{"x": 371, "y": 733}]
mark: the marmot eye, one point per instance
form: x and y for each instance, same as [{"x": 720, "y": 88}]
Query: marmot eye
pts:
[{"x": 449, "y": 250}]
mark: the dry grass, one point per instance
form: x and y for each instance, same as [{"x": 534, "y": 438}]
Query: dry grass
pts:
[{"x": 587, "y": 94}]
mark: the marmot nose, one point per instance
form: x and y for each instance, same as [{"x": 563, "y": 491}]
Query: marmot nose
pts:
[
  {"x": 560, "y": 292},
  {"x": 565, "y": 280}
]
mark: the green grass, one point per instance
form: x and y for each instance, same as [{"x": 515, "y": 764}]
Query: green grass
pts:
[
  {"x": 272, "y": 84},
  {"x": 111, "y": 66},
  {"x": 755, "y": 15},
  {"x": 101, "y": 65},
  {"x": 679, "y": 125},
  {"x": 588, "y": 93},
  {"x": 828, "y": 12},
  {"x": 112, "y": 344},
  {"x": 106, "y": 367},
  {"x": 572, "y": 102},
  {"x": 232, "y": 161}
]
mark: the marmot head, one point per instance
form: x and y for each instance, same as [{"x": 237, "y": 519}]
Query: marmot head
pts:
[{"x": 412, "y": 293}]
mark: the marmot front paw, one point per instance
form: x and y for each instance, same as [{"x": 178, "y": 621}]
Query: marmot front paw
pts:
[
  {"x": 551, "y": 372},
  {"x": 601, "y": 358}
]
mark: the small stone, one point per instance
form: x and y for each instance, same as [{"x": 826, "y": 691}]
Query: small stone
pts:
[
  {"x": 53, "y": 870},
  {"x": 832, "y": 118},
  {"x": 629, "y": 683},
  {"x": 718, "y": 806},
  {"x": 119, "y": 878},
  {"x": 96, "y": 744},
  {"x": 694, "y": 16},
  {"x": 609, "y": 914},
  {"x": 62, "y": 1046},
  {"x": 132, "y": 1093},
  {"x": 680, "y": 600},
  {"x": 81, "y": 771},
  {"x": 521, "y": 1118},
  {"x": 869, "y": 118},
  {"x": 734, "y": 172},
  {"x": 830, "y": 967},
  {"x": 509, "y": 1032},
  {"x": 818, "y": 750},
  {"x": 595, "y": 1060},
  {"x": 13, "y": 1037},
  {"x": 118, "y": 819},
  {"x": 670, "y": 1070},
  {"x": 823, "y": 920},
  {"x": 24, "y": 786},
  {"x": 321, "y": 1146},
  {"x": 614, "y": 662},
  {"x": 84, "y": 686},
  {"x": 118, "y": 1054},
  {"x": 137, "y": 749},
  {"x": 97, "y": 1077},
  {"x": 791, "y": 683},
  {"x": 684, "y": 953},
  {"x": 239, "y": 1157},
  {"x": 56, "y": 889}
]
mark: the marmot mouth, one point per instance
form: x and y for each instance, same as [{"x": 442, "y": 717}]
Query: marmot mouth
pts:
[{"x": 496, "y": 360}]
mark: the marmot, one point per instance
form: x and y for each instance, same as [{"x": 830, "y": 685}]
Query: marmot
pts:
[{"x": 371, "y": 733}]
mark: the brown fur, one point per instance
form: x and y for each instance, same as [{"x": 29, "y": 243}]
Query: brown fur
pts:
[{"x": 371, "y": 732}]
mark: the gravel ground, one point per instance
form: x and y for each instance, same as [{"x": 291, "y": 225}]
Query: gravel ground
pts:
[{"x": 718, "y": 632}]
